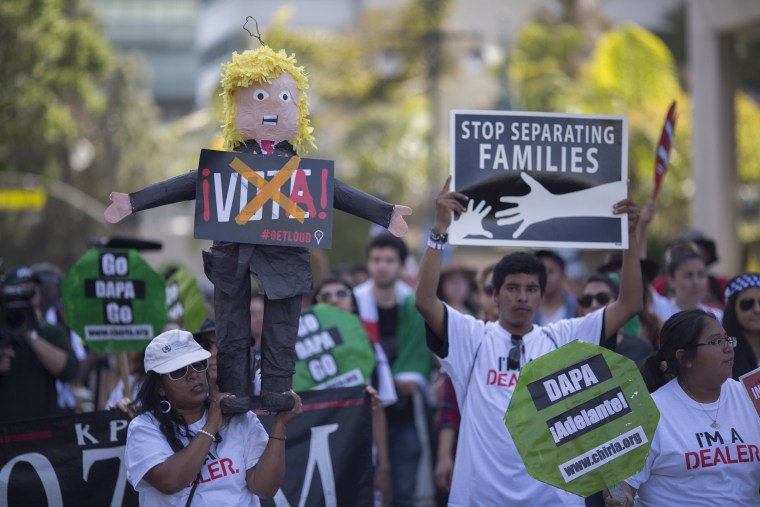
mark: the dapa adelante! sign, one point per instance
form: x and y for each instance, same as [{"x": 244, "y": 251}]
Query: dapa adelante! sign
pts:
[
  {"x": 539, "y": 179},
  {"x": 264, "y": 199},
  {"x": 581, "y": 418}
]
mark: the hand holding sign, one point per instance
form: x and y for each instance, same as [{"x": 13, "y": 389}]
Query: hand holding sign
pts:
[{"x": 470, "y": 223}]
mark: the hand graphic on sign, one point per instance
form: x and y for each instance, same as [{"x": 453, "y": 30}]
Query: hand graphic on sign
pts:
[
  {"x": 470, "y": 223},
  {"x": 540, "y": 205}
]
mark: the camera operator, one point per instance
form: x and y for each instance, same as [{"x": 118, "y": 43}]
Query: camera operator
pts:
[{"x": 33, "y": 354}]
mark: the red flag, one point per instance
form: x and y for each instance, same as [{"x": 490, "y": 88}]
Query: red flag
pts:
[{"x": 662, "y": 155}]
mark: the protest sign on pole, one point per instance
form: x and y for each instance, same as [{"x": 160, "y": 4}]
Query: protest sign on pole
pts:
[
  {"x": 581, "y": 418},
  {"x": 114, "y": 300},
  {"x": 332, "y": 350},
  {"x": 184, "y": 301},
  {"x": 245, "y": 198},
  {"x": 539, "y": 179}
]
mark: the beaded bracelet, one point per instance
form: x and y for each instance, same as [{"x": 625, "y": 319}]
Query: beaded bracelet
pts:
[
  {"x": 436, "y": 245},
  {"x": 207, "y": 433}
]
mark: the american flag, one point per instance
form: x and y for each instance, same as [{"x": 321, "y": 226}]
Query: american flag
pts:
[{"x": 662, "y": 155}]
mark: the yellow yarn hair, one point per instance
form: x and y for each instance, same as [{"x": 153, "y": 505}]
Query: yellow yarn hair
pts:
[{"x": 256, "y": 66}]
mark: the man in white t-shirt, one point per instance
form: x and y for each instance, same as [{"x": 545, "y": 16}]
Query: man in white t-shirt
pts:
[{"x": 484, "y": 359}]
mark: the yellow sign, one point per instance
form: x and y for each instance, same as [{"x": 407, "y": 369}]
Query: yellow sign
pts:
[{"x": 22, "y": 199}]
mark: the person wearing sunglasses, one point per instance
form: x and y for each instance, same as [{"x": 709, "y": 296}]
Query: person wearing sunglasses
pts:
[
  {"x": 705, "y": 449},
  {"x": 337, "y": 292},
  {"x": 484, "y": 360},
  {"x": 180, "y": 448},
  {"x": 599, "y": 292},
  {"x": 742, "y": 319}
]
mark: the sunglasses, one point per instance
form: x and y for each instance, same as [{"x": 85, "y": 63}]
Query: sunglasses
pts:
[
  {"x": 325, "y": 296},
  {"x": 747, "y": 304},
  {"x": 488, "y": 289},
  {"x": 587, "y": 299},
  {"x": 179, "y": 374},
  {"x": 514, "y": 354}
]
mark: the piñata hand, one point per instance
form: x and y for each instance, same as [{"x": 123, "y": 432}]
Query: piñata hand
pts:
[
  {"x": 398, "y": 226},
  {"x": 120, "y": 208}
]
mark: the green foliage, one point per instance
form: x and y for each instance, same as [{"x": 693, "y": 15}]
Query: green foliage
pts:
[
  {"x": 60, "y": 82},
  {"x": 630, "y": 72}
]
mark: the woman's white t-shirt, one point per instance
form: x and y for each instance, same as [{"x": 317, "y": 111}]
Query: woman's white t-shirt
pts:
[
  {"x": 691, "y": 463},
  {"x": 222, "y": 480}
]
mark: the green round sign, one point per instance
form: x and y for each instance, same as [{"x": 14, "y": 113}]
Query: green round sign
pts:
[
  {"x": 114, "y": 300},
  {"x": 332, "y": 350},
  {"x": 581, "y": 418}
]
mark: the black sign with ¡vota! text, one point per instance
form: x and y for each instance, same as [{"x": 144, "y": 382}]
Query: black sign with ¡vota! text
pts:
[{"x": 264, "y": 199}]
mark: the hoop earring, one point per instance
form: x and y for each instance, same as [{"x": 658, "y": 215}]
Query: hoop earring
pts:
[{"x": 164, "y": 406}]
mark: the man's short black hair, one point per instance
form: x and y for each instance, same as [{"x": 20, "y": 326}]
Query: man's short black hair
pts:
[
  {"x": 388, "y": 240},
  {"x": 516, "y": 264},
  {"x": 551, "y": 254}
]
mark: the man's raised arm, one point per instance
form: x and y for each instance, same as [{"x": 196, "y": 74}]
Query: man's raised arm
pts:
[
  {"x": 425, "y": 297},
  {"x": 631, "y": 299}
]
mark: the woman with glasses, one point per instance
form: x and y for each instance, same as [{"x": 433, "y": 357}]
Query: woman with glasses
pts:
[
  {"x": 742, "y": 319},
  {"x": 179, "y": 447},
  {"x": 706, "y": 449}
]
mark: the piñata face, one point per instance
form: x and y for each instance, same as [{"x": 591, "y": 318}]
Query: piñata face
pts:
[{"x": 268, "y": 111}]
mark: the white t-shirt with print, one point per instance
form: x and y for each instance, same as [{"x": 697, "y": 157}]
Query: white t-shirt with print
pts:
[
  {"x": 222, "y": 480},
  {"x": 691, "y": 463},
  {"x": 665, "y": 308},
  {"x": 488, "y": 470}
]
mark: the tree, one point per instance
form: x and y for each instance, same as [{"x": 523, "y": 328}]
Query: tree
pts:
[
  {"x": 61, "y": 83},
  {"x": 371, "y": 102}
]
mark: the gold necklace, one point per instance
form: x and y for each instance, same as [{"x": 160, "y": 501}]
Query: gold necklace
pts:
[{"x": 713, "y": 419}]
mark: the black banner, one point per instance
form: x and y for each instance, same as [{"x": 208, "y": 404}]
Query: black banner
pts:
[
  {"x": 329, "y": 451},
  {"x": 264, "y": 199},
  {"x": 79, "y": 460},
  {"x": 71, "y": 460}
]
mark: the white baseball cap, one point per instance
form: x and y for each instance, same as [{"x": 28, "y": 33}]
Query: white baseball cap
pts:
[{"x": 172, "y": 350}]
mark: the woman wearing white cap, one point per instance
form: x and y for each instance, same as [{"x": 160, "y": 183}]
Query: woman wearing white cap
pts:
[{"x": 181, "y": 451}]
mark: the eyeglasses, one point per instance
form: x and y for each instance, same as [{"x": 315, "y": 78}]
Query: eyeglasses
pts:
[
  {"x": 747, "y": 304},
  {"x": 601, "y": 297},
  {"x": 179, "y": 374},
  {"x": 721, "y": 343},
  {"x": 326, "y": 295},
  {"x": 488, "y": 289}
]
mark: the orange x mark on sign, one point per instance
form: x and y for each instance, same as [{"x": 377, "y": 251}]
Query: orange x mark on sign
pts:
[{"x": 268, "y": 190}]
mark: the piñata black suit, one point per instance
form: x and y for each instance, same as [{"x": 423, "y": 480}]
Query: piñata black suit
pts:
[{"x": 285, "y": 275}]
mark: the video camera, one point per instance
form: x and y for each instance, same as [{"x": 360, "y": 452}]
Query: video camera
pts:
[{"x": 16, "y": 311}]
